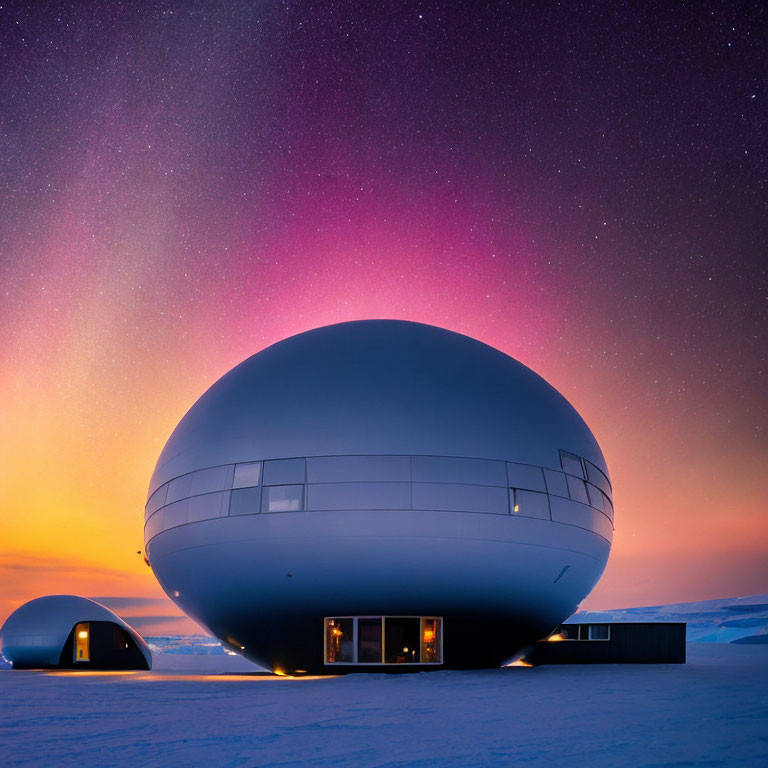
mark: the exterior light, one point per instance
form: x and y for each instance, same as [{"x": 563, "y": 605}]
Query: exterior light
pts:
[
  {"x": 555, "y": 638},
  {"x": 517, "y": 508}
]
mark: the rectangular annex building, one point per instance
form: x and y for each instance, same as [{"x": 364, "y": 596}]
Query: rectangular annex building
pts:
[{"x": 613, "y": 643}]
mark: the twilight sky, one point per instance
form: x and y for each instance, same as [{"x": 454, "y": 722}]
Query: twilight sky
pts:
[{"x": 582, "y": 185}]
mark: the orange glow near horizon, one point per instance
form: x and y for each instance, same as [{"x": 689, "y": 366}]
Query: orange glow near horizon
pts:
[{"x": 88, "y": 416}]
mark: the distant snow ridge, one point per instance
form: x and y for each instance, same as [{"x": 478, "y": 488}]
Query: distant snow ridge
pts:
[
  {"x": 186, "y": 645},
  {"x": 742, "y": 620}
]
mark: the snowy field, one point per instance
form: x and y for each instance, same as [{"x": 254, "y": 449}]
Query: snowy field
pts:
[{"x": 194, "y": 710}]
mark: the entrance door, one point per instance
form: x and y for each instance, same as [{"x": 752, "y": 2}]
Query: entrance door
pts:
[
  {"x": 402, "y": 643},
  {"x": 82, "y": 642}
]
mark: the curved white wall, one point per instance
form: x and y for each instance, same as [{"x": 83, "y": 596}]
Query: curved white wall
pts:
[{"x": 373, "y": 468}]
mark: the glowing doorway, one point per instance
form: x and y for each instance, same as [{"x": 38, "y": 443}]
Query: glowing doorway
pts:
[{"x": 82, "y": 642}]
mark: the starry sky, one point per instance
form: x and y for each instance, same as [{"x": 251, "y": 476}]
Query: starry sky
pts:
[{"x": 583, "y": 185}]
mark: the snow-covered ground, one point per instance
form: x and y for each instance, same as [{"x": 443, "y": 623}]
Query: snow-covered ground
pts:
[
  {"x": 201, "y": 707},
  {"x": 193, "y": 711}
]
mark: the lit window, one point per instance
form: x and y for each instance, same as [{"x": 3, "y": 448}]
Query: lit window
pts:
[
  {"x": 339, "y": 641},
  {"x": 383, "y": 640},
  {"x": 431, "y": 651},
  {"x": 282, "y": 498},
  {"x": 401, "y": 639}
]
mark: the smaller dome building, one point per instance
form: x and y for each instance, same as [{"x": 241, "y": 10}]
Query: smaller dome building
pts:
[{"x": 71, "y": 632}]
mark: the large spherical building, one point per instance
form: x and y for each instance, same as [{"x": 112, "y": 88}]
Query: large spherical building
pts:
[{"x": 379, "y": 495}]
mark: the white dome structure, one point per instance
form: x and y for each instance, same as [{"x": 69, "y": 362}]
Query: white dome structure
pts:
[
  {"x": 71, "y": 632},
  {"x": 379, "y": 495}
]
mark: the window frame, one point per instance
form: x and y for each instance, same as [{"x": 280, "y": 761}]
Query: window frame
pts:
[
  {"x": 589, "y": 637},
  {"x": 265, "y": 493},
  {"x": 382, "y": 663}
]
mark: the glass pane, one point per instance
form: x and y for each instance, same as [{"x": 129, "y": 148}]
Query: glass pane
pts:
[
  {"x": 211, "y": 480},
  {"x": 431, "y": 652},
  {"x": 556, "y": 484},
  {"x": 401, "y": 640},
  {"x": 525, "y": 476},
  {"x": 597, "y": 476},
  {"x": 179, "y": 488},
  {"x": 460, "y": 498},
  {"x": 570, "y": 631},
  {"x": 283, "y": 471},
  {"x": 529, "y": 504},
  {"x": 339, "y": 643},
  {"x": 208, "y": 506},
  {"x": 573, "y": 513},
  {"x": 245, "y": 501},
  {"x": 363, "y": 469},
  {"x": 156, "y": 500},
  {"x": 282, "y": 498},
  {"x": 437, "y": 469},
  {"x": 369, "y": 641},
  {"x": 175, "y": 514},
  {"x": 595, "y": 496},
  {"x": 577, "y": 489},
  {"x": 359, "y": 496},
  {"x": 598, "y": 631},
  {"x": 608, "y": 507},
  {"x": 154, "y": 525},
  {"x": 571, "y": 464},
  {"x": 247, "y": 475}
]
